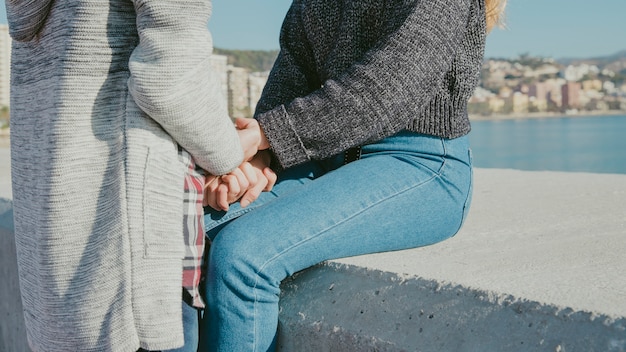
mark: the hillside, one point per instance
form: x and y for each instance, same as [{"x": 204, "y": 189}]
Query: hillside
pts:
[
  {"x": 262, "y": 60},
  {"x": 254, "y": 60},
  {"x": 619, "y": 56}
]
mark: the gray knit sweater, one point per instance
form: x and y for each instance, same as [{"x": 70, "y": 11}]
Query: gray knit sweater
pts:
[{"x": 354, "y": 72}]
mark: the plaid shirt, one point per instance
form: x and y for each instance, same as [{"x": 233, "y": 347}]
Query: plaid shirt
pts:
[{"x": 193, "y": 227}]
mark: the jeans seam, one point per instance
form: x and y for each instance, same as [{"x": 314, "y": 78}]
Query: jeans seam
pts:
[
  {"x": 443, "y": 157},
  {"x": 262, "y": 267},
  {"x": 467, "y": 201},
  {"x": 230, "y": 216}
]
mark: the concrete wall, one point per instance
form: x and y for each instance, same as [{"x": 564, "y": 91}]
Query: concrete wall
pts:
[
  {"x": 538, "y": 266},
  {"x": 336, "y": 307}
]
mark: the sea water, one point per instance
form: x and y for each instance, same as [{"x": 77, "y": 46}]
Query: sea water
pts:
[{"x": 574, "y": 144}]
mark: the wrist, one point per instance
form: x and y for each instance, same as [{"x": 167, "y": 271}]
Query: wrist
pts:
[{"x": 265, "y": 144}]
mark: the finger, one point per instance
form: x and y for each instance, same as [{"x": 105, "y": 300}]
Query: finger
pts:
[
  {"x": 235, "y": 190},
  {"x": 222, "y": 197},
  {"x": 209, "y": 196},
  {"x": 209, "y": 181},
  {"x": 232, "y": 187},
  {"x": 243, "y": 123},
  {"x": 249, "y": 173},
  {"x": 210, "y": 199},
  {"x": 271, "y": 177},
  {"x": 242, "y": 178},
  {"x": 253, "y": 192},
  {"x": 240, "y": 123},
  {"x": 205, "y": 198}
]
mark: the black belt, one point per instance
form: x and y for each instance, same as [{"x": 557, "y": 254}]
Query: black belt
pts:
[{"x": 351, "y": 155}]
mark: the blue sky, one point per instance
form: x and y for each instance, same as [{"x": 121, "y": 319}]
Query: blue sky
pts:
[{"x": 552, "y": 28}]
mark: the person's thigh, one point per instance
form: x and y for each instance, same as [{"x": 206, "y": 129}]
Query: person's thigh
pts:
[{"x": 397, "y": 196}]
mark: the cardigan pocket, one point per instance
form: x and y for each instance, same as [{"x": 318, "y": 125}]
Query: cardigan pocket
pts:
[{"x": 163, "y": 204}]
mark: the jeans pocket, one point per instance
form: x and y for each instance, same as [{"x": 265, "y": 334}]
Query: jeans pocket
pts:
[{"x": 163, "y": 189}]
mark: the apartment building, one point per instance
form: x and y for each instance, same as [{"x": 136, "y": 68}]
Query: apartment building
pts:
[
  {"x": 570, "y": 95},
  {"x": 5, "y": 65}
]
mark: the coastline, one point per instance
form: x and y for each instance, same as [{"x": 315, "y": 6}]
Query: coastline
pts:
[
  {"x": 546, "y": 115},
  {"x": 5, "y": 132}
]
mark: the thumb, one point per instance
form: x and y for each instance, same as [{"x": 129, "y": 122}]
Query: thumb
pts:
[{"x": 243, "y": 123}]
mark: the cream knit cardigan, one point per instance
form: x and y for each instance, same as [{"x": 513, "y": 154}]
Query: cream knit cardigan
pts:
[{"x": 102, "y": 92}]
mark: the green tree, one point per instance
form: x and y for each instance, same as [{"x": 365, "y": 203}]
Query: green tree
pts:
[{"x": 254, "y": 60}]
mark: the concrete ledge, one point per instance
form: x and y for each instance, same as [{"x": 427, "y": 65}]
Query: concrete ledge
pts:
[
  {"x": 539, "y": 266},
  {"x": 337, "y": 307}
]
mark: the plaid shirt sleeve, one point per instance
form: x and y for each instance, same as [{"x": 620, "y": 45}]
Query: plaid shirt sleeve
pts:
[{"x": 193, "y": 227}]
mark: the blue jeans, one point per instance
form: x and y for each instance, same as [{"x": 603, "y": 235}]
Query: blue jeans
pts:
[
  {"x": 406, "y": 191},
  {"x": 191, "y": 318}
]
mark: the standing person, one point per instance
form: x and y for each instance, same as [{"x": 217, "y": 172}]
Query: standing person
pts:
[
  {"x": 103, "y": 94},
  {"x": 365, "y": 112}
]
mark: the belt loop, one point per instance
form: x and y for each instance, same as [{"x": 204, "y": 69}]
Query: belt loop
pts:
[{"x": 351, "y": 155}]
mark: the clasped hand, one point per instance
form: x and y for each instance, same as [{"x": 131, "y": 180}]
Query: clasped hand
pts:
[{"x": 252, "y": 177}]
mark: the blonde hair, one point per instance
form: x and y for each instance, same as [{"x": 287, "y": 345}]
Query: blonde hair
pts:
[{"x": 495, "y": 13}]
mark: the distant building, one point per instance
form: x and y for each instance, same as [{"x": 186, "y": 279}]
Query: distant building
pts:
[
  {"x": 610, "y": 87},
  {"x": 592, "y": 84},
  {"x": 537, "y": 105},
  {"x": 524, "y": 88},
  {"x": 505, "y": 92},
  {"x": 554, "y": 91},
  {"x": 496, "y": 104},
  {"x": 518, "y": 102},
  {"x": 575, "y": 73},
  {"x": 544, "y": 70},
  {"x": 238, "y": 94},
  {"x": 539, "y": 95},
  {"x": 570, "y": 95},
  {"x": 241, "y": 89},
  {"x": 539, "y": 91},
  {"x": 5, "y": 65},
  {"x": 256, "y": 82}
]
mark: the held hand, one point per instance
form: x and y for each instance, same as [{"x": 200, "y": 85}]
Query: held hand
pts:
[
  {"x": 249, "y": 133},
  {"x": 211, "y": 186},
  {"x": 244, "y": 183},
  {"x": 266, "y": 178},
  {"x": 221, "y": 191},
  {"x": 251, "y": 136}
]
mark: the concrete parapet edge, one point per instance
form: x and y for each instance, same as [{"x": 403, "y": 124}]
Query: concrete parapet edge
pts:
[
  {"x": 538, "y": 266},
  {"x": 339, "y": 307}
]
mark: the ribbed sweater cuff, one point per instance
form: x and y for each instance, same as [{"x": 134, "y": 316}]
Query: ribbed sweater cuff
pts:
[{"x": 284, "y": 141}]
